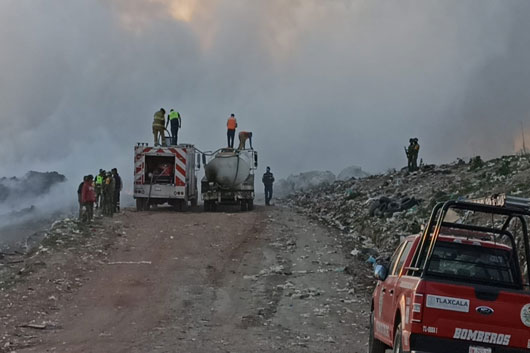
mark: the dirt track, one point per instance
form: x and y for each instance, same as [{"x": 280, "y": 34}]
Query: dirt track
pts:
[{"x": 263, "y": 281}]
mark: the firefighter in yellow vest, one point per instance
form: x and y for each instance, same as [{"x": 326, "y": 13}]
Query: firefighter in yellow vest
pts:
[
  {"x": 159, "y": 127},
  {"x": 99, "y": 186},
  {"x": 174, "y": 118}
]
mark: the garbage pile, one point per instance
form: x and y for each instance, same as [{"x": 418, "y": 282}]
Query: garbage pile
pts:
[
  {"x": 376, "y": 211},
  {"x": 309, "y": 180}
]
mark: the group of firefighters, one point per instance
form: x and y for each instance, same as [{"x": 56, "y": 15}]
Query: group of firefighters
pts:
[
  {"x": 160, "y": 125},
  {"x": 103, "y": 191}
]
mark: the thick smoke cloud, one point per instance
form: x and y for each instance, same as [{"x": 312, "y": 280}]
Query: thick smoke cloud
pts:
[{"x": 322, "y": 83}]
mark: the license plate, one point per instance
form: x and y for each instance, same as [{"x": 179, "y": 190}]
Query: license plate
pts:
[{"x": 479, "y": 350}]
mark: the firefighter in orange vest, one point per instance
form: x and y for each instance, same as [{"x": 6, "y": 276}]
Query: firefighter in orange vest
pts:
[
  {"x": 231, "y": 130},
  {"x": 243, "y": 137}
]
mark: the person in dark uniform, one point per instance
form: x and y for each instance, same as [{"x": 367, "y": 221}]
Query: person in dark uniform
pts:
[
  {"x": 268, "y": 180},
  {"x": 117, "y": 189}
]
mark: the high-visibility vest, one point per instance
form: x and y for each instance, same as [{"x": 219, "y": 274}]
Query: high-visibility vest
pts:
[
  {"x": 99, "y": 180},
  {"x": 174, "y": 115},
  {"x": 232, "y": 123}
]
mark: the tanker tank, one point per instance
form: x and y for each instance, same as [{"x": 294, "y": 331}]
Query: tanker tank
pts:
[
  {"x": 228, "y": 168},
  {"x": 229, "y": 179}
]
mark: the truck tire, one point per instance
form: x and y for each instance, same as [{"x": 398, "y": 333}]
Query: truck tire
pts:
[
  {"x": 374, "y": 345},
  {"x": 139, "y": 205},
  {"x": 243, "y": 205},
  {"x": 398, "y": 346},
  {"x": 206, "y": 206},
  {"x": 250, "y": 205}
]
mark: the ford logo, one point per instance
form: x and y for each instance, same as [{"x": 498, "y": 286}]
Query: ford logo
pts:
[{"x": 484, "y": 310}]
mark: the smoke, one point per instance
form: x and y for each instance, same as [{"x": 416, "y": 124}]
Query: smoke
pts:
[{"x": 322, "y": 84}]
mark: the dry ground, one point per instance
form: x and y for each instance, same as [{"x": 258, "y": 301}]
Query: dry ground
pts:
[{"x": 270, "y": 280}]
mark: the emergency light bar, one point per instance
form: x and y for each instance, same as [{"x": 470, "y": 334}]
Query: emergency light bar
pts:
[{"x": 503, "y": 200}]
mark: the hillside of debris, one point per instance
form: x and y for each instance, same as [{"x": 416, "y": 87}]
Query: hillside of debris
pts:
[
  {"x": 308, "y": 180},
  {"x": 374, "y": 212}
]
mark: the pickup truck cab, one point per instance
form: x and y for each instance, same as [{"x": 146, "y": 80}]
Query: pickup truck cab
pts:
[{"x": 457, "y": 287}]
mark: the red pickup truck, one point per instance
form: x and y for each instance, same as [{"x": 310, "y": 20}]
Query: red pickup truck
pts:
[{"x": 462, "y": 286}]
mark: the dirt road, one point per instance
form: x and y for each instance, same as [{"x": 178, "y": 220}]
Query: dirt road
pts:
[{"x": 264, "y": 281}]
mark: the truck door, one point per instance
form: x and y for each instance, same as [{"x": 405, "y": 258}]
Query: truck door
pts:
[
  {"x": 391, "y": 285},
  {"x": 383, "y": 300}
]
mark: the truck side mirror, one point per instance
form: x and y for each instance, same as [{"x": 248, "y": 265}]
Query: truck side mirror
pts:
[
  {"x": 380, "y": 272},
  {"x": 198, "y": 161},
  {"x": 255, "y": 159},
  {"x": 203, "y": 159}
]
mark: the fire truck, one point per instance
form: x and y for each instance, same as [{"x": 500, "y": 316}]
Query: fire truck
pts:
[
  {"x": 461, "y": 286},
  {"x": 165, "y": 175}
]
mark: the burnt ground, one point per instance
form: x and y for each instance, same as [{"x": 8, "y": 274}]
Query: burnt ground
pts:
[{"x": 270, "y": 280}]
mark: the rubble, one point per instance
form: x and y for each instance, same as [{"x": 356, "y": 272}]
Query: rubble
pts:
[{"x": 374, "y": 212}]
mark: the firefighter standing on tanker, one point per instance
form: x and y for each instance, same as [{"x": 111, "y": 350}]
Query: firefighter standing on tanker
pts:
[
  {"x": 231, "y": 130},
  {"x": 174, "y": 118},
  {"x": 243, "y": 137},
  {"x": 159, "y": 127}
]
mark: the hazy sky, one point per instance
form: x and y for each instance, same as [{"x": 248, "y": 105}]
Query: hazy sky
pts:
[{"x": 323, "y": 84}]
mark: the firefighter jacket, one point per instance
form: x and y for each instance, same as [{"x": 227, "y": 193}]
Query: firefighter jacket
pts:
[{"x": 159, "y": 120}]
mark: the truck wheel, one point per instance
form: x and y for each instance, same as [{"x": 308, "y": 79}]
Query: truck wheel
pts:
[
  {"x": 213, "y": 206},
  {"x": 139, "y": 205},
  {"x": 243, "y": 205},
  {"x": 206, "y": 206},
  {"x": 398, "y": 347},
  {"x": 374, "y": 345},
  {"x": 250, "y": 205}
]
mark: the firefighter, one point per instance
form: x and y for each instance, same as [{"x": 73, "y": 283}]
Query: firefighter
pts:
[
  {"x": 88, "y": 197},
  {"x": 108, "y": 195},
  {"x": 412, "y": 154},
  {"x": 98, "y": 186},
  {"x": 118, "y": 187},
  {"x": 268, "y": 180},
  {"x": 231, "y": 130},
  {"x": 174, "y": 118},
  {"x": 159, "y": 126},
  {"x": 243, "y": 137},
  {"x": 79, "y": 197}
]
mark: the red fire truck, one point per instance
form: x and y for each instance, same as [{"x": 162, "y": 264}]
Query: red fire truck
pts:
[
  {"x": 165, "y": 175},
  {"x": 462, "y": 286}
]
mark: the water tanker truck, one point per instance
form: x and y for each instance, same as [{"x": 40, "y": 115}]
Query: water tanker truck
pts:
[{"x": 229, "y": 178}]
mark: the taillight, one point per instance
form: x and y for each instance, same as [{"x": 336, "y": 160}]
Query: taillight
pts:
[{"x": 417, "y": 307}]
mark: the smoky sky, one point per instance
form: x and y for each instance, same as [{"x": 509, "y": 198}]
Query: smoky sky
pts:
[{"x": 322, "y": 84}]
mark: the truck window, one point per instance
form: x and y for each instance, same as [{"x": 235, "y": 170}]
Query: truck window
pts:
[
  {"x": 473, "y": 263},
  {"x": 404, "y": 254},
  {"x": 395, "y": 257}
]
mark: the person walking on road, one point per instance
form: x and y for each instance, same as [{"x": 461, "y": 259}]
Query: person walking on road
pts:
[
  {"x": 159, "y": 126},
  {"x": 174, "y": 118},
  {"x": 243, "y": 137},
  {"x": 268, "y": 180},
  {"x": 117, "y": 189},
  {"x": 231, "y": 130},
  {"x": 88, "y": 197}
]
